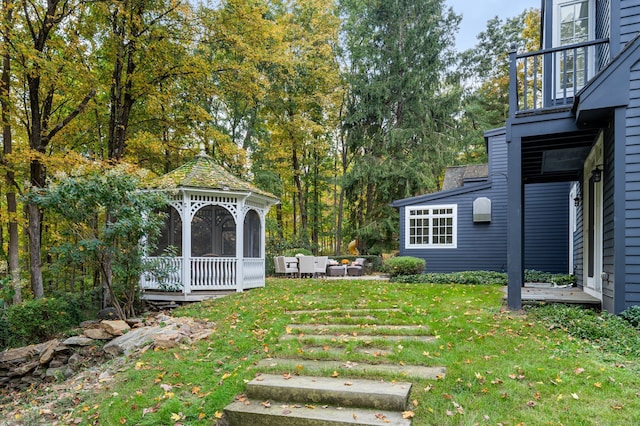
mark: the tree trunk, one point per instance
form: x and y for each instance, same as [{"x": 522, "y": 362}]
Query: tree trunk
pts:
[
  {"x": 5, "y": 90},
  {"x": 35, "y": 262},
  {"x": 121, "y": 95}
]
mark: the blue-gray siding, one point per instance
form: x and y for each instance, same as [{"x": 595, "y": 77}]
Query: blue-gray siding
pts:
[
  {"x": 629, "y": 20},
  {"x": 483, "y": 246},
  {"x": 632, "y": 187},
  {"x": 546, "y": 227},
  {"x": 608, "y": 241}
]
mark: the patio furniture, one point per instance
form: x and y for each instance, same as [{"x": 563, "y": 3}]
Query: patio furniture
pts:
[
  {"x": 335, "y": 269},
  {"x": 290, "y": 265},
  {"x": 306, "y": 266},
  {"x": 279, "y": 264},
  {"x": 321, "y": 265},
  {"x": 356, "y": 268}
]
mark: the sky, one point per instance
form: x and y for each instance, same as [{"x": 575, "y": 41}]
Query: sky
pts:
[{"x": 476, "y": 13}]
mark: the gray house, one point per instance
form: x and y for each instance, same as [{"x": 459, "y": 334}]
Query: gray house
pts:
[
  {"x": 464, "y": 226},
  {"x": 575, "y": 117}
]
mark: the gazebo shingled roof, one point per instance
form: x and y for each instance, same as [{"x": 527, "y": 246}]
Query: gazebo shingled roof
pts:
[{"x": 203, "y": 173}]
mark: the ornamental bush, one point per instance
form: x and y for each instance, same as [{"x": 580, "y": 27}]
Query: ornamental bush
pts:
[
  {"x": 632, "y": 316},
  {"x": 39, "y": 320},
  {"x": 404, "y": 265}
]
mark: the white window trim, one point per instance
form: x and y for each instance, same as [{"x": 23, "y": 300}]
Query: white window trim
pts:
[
  {"x": 556, "y": 19},
  {"x": 556, "y": 43},
  {"x": 407, "y": 222}
]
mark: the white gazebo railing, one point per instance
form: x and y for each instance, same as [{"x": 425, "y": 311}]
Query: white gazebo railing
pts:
[
  {"x": 214, "y": 273},
  {"x": 208, "y": 274}
]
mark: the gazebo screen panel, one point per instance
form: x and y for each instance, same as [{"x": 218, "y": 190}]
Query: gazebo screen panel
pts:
[
  {"x": 252, "y": 234},
  {"x": 213, "y": 232},
  {"x": 170, "y": 234}
]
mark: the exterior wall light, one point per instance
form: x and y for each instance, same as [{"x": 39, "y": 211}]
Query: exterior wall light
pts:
[{"x": 596, "y": 174}]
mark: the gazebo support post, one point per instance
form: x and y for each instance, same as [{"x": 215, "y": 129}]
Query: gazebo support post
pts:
[
  {"x": 240, "y": 213},
  {"x": 186, "y": 243}
]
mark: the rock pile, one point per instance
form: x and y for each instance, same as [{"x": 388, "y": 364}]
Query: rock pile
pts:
[{"x": 58, "y": 359}]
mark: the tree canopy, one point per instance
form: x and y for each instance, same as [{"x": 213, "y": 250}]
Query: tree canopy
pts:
[{"x": 338, "y": 108}]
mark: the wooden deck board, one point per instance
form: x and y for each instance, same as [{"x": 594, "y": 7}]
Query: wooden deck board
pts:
[{"x": 569, "y": 295}]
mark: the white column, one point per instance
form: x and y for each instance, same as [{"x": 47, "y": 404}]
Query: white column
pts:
[
  {"x": 186, "y": 242},
  {"x": 239, "y": 218}
]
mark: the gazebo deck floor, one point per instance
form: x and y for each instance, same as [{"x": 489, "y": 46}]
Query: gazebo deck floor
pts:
[{"x": 194, "y": 296}]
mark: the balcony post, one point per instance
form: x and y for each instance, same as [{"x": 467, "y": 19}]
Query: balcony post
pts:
[{"x": 513, "y": 82}]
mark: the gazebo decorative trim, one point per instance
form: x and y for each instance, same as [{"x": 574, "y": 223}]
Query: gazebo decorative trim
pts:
[{"x": 202, "y": 191}]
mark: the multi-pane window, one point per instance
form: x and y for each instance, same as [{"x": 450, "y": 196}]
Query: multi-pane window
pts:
[
  {"x": 431, "y": 226},
  {"x": 574, "y": 26}
]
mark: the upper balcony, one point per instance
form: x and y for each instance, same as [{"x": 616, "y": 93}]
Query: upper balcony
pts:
[{"x": 549, "y": 79}]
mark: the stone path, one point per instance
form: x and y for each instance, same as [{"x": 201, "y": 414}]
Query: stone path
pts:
[{"x": 331, "y": 391}]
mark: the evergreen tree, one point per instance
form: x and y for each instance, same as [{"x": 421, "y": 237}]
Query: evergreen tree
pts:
[{"x": 400, "y": 107}]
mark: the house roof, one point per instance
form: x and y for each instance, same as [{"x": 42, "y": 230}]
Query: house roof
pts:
[
  {"x": 606, "y": 89},
  {"x": 457, "y": 180},
  {"x": 203, "y": 173},
  {"x": 456, "y": 176}
]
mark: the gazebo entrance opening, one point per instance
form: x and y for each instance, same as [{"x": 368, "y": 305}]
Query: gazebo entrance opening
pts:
[{"x": 213, "y": 233}]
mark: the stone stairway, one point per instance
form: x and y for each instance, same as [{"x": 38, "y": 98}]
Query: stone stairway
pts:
[{"x": 307, "y": 392}]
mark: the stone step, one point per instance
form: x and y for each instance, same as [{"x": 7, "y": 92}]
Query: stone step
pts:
[
  {"x": 341, "y": 392},
  {"x": 259, "y": 413},
  {"x": 344, "y": 369},
  {"x": 344, "y": 337},
  {"x": 378, "y": 328},
  {"x": 353, "y": 311}
]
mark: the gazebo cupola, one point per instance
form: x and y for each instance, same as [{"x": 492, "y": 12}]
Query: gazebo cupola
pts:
[{"x": 213, "y": 240}]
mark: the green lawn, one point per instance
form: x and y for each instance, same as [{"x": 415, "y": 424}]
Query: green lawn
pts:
[{"x": 503, "y": 367}]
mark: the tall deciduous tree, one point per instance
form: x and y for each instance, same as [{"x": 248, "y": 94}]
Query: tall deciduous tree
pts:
[
  {"x": 303, "y": 103},
  {"x": 400, "y": 107},
  {"x": 48, "y": 58},
  {"x": 7, "y": 149}
]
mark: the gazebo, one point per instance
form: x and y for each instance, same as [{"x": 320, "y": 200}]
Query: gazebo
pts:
[{"x": 213, "y": 240}]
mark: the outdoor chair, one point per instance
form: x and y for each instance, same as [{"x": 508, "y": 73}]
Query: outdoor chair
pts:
[
  {"x": 279, "y": 265},
  {"x": 290, "y": 265},
  {"x": 321, "y": 265},
  {"x": 307, "y": 265}
]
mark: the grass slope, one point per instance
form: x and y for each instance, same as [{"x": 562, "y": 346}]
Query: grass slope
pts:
[{"x": 503, "y": 367}]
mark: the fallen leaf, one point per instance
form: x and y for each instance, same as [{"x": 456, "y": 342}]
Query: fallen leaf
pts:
[
  {"x": 578, "y": 371},
  {"x": 408, "y": 414}
]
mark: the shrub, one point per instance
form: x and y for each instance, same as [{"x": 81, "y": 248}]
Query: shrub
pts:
[
  {"x": 602, "y": 331},
  {"x": 533, "y": 276},
  {"x": 39, "y": 320},
  {"x": 403, "y": 265},
  {"x": 632, "y": 316},
  {"x": 466, "y": 277}
]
